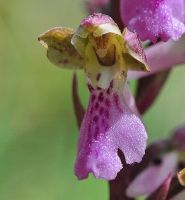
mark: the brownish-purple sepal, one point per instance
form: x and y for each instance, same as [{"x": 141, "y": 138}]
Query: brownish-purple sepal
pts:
[
  {"x": 162, "y": 192},
  {"x": 117, "y": 187},
  {"x": 115, "y": 13},
  {"x": 60, "y": 51},
  {"x": 148, "y": 90},
  {"x": 78, "y": 108},
  {"x": 175, "y": 188}
]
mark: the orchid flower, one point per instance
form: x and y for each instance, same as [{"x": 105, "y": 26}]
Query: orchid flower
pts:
[
  {"x": 171, "y": 53},
  {"x": 157, "y": 172},
  {"x": 110, "y": 122},
  {"x": 154, "y": 19}
]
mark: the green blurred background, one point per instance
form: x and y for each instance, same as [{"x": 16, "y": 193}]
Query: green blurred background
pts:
[{"x": 38, "y": 131}]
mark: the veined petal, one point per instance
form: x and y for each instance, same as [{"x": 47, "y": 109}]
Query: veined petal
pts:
[
  {"x": 108, "y": 125},
  {"x": 60, "y": 51},
  {"x": 154, "y": 19},
  {"x": 157, "y": 172}
]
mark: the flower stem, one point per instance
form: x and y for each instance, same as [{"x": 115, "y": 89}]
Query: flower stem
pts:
[
  {"x": 117, "y": 187},
  {"x": 115, "y": 13}
]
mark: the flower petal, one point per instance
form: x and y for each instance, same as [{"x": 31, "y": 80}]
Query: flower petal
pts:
[
  {"x": 137, "y": 60},
  {"x": 108, "y": 125},
  {"x": 162, "y": 192},
  {"x": 158, "y": 172},
  {"x": 129, "y": 98},
  {"x": 60, "y": 51},
  {"x": 98, "y": 24},
  {"x": 153, "y": 19},
  {"x": 171, "y": 53}
]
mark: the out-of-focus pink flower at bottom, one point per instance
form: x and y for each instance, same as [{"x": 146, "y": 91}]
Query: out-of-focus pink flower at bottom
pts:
[
  {"x": 152, "y": 177},
  {"x": 179, "y": 196},
  {"x": 162, "y": 56},
  {"x": 155, "y": 174}
]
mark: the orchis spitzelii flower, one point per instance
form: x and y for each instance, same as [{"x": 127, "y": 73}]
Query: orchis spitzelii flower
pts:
[
  {"x": 154, "y": 19},
  {"x": 110, "y": 122},
  {"x": 168, "y": 161}
]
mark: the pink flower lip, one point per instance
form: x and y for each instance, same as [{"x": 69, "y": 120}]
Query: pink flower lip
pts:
[{"x": 108, "y": 125}]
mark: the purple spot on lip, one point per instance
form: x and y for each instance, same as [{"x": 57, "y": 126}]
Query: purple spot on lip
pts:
[
  {"x": 116, "y": 100},
  {"x": 107, "y": 102},
  {"x": 90, "y": 88},
  {"x": 98, "y": 77},
  {"x": 100, "y": 97},
  {"x": 110, "y": 88},
  {"x": 105, "y": 125},
  {"x": 96, "y": 106},
  {"x": 89, "y": 129},
  {"x": 108, "y": 91},
  {"x": 111, "y": 85},
  {"x": 106, "y": 112},
  {"x": 101, "y": 111},
  {"x": 93, "y": 98},
  {"x": 95, "y": 119},
  {"x": 96, "y": 132},
  {"x": 91, "y": 110}
]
